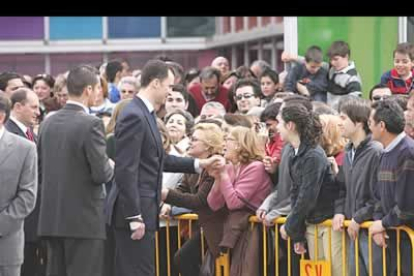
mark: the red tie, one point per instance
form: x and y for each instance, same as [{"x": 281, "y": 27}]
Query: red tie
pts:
[{"x": 29, "y": 135}]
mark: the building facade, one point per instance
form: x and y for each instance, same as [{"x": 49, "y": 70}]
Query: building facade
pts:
[{"x": 32, "y": 45}]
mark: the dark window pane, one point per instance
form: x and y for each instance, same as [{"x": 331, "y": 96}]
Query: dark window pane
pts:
[
  {"x": 190, "y": 26},
  {"x": 134, "y": 27}
]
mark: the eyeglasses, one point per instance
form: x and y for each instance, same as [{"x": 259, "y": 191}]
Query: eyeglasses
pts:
[
  {"x": 246, "y": 96},
  {"x": 380, "y": 98}
]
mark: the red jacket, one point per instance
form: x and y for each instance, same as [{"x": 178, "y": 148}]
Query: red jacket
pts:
[
  {"x": 274, "y": 148},
  {"x": 196, "y": 89}
]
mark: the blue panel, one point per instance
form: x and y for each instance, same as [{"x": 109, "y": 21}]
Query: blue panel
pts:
[
  {"x": 134, "y": 27},
  {"x": 69, "y": 27}
]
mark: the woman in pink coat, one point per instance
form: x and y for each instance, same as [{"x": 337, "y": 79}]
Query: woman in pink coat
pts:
[{"x": 242, "y": 185}]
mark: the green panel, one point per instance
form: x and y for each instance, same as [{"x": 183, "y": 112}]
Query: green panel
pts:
[{"x": 371, "y": 39}]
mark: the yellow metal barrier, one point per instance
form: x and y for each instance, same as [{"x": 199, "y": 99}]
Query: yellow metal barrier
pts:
[
  {"x": 223, "y": 262},
  {"x": 328, "y": 223}
]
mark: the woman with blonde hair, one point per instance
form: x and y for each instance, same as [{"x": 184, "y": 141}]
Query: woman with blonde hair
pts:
[
  {"x": 332, "y": 141},
  {"x": 206, "y": 140},
  {"x": 241, "y": 186}
]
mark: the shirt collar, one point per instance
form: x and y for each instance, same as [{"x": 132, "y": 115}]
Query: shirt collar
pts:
[
  {"x": 147, "y": 103},
  {"x": 1, "y": 132},
  {"x": 395, "y": 142},
  {"x": 19, "y": 124},
  {"x": 79, "y": 104}
]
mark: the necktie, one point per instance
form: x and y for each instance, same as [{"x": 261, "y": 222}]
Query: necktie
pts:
[
  {"x": 29, "y": 135},
  {"x": 154, "y": 118}
]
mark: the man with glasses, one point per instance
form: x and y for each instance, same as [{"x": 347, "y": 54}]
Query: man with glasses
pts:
[
  {"x": 247, "y": 95},
  {"x": 379, "y": 92},
  {"x": 209, "y": 89}
]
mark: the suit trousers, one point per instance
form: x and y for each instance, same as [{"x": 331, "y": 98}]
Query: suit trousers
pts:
[
  {"x": 13, "y": 270},
  {"x": 35, "y": 256},
  {"x": 134, "y": 257},
  {"x": 74, "y": 257}
]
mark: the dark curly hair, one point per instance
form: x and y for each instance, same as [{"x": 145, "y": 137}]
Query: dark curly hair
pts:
[{"x": 307, "y": 123}]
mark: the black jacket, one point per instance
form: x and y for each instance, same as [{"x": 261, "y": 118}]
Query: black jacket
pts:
[
  {"x": 139, "y": 162},
  {"x": 313, "y": 190}
]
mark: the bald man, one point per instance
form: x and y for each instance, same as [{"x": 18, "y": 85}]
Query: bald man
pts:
[{"x": 222, "y": 64}]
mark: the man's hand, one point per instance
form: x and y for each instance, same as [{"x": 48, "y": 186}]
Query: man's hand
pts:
[
  {"x": 212, "y": 162},
  {"x": 299, "y": 248},
  {"x": 269, "y": 164},
  {"x": 139, "y": 232},
  {"x": 353, "y": 229},
  {"x": 302, "y": 89},
  {"x": 165, "y": 211},
  {"x": 164, "y": 194},
  {"x": 283, "y": 233},
  {"x": 380, "y": 239},
  {"x": 338, "y": 222},
  {"x": 376, "y": 227}
]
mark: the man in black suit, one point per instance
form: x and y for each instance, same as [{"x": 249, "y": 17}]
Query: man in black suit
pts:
[
  {"x": 134, "y": 200},
  {"x": 74, "y": 168},
  {"x": 24, "y": 113}
]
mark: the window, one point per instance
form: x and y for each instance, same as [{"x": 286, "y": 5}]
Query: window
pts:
[
  {"x": 134, "y": 27},
  {"x": 190, "y": 26},
  {"x": 69, "y": 27},
  {"x": 21, "y": 28}
]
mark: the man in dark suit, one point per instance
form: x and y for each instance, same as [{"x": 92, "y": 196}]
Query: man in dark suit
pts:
[
  {"x": 24, "y": 113},
  {"x": 74, "y": 168},
  {"x": 134, "y": 200},
  {"x": 18, "y": 191}
]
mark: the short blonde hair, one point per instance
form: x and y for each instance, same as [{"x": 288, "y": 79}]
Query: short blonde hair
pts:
[
  {"x": 332, "y": 141},
  {"x": 250, "y": 147},
  {"x": 213, "y": 136}
]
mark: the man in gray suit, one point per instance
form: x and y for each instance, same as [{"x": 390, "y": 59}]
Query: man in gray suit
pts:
[
  {"x": 18, "y": 191},
  {"x": 74, "y": 166}
]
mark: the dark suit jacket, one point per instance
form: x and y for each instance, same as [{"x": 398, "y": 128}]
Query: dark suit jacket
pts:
[
  {"x": 12, "y": 127},
  {"x": 139, "y": 163},
  {"x": 30, "y": 222},
  {"x": 74, "y": 168}
]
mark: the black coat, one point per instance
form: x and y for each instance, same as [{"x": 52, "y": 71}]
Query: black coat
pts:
[
  {"x": 139, "y": 163},
  {"x": 313, "y": 191}
]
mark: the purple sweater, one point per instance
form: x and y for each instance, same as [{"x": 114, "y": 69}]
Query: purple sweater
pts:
[
  {"x": 395, "y": 188},
  {"x": 248, "y": 189}
]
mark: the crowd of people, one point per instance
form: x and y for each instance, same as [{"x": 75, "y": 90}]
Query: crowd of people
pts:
[{"x": 94, "y": 161}]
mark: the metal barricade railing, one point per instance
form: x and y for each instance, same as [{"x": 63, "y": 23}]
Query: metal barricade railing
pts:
[
  {"x": 328, "y": 223},
  {"x": 223, "y": 262}
]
